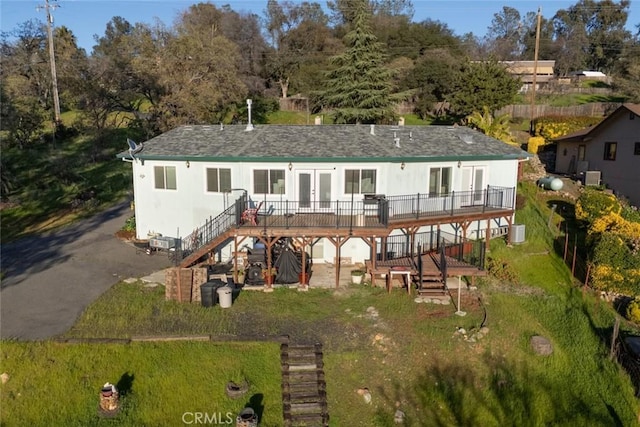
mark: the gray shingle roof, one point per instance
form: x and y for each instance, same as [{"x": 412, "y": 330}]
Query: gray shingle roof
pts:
[{"x": 325, "y": 143}]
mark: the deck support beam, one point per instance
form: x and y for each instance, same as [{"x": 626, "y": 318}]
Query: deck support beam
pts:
[{"x": 338, "y": 241}]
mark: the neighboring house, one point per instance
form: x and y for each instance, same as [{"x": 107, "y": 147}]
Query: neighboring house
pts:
[
  {"x": 612, "y": 148},
  {"x": 325, "y": 183},
  {"x": 525, "y": 70}
]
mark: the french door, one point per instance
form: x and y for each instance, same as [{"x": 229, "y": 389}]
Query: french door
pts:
[
  {"x": 473, "y": 185},
  {"x": 314, "y": 190}
]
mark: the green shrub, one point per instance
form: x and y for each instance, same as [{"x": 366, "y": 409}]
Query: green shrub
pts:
[
  {"x": 130, "y": 224},
  {"x": 630, "y": 213},
  {"x": 501, "y": 269}
]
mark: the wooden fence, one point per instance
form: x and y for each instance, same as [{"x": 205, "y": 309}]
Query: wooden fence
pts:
[
  {"x": 594, "y": 109},
  {"x": 567, "y": 245}
]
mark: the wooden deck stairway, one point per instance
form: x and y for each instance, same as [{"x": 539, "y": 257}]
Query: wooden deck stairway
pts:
[
  {"x": 430, "y": 278},
  {"x": 304, "y": 397}
]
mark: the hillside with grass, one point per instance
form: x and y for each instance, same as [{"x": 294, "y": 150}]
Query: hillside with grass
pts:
[{"x": 421, "y": 359}]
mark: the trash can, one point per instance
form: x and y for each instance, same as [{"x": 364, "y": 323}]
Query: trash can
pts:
[
  {"x": 207, "y": 294},
  {"x": 224, "y": 296}
]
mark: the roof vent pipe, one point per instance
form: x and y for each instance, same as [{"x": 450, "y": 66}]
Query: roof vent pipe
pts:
[
  {"x": 249, "y": 125},
  {"x": 221, "y": 126},
  {"x": 373, "y": 130},
  {"x": 396, "y": 140}
]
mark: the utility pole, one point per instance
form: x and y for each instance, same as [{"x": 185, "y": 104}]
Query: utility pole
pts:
[
  {"x": 535, "y": 73},
  {"x": 48, "y": 7}
]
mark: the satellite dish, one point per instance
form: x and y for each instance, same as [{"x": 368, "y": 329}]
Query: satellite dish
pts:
[{"x": 134, "y": 148}]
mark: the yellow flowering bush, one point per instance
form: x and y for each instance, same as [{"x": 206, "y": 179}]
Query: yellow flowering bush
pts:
[
  {"x": 594, "y": 203},
  {"x": 615, "y": 223},
  {"x": 616, "y": 264},
  {"x": 633, "y": 310},
  {"x": 534, "y": 144},
  {"x": 614, "y": 241},
  {"x": 551, "y": 127}
]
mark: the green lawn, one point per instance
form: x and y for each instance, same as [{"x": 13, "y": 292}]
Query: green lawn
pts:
[{"x": 162, "y": 384}]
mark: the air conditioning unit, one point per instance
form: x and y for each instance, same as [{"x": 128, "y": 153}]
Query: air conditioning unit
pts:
[
  {"x": 162, "y": 242},
  {"x": 517, "y": 233},
  {"x": 592, "y": 178}
]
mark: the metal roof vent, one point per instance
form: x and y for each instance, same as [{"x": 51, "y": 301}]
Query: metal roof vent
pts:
[
  {"x": 466, "y": 138},
  {"x": 221, "y": 126},
  {"x": 372, "y": 131},
  {"x": 396, "y": 140},
  {"x": 249, "y": 125}
]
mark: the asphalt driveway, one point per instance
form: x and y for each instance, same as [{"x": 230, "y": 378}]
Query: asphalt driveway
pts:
[{"x": 51, "y": 278}]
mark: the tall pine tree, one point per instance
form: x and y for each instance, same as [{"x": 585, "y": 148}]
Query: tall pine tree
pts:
[{"x": 358, "y": 90}]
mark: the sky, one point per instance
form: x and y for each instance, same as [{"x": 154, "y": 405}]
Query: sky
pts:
[{"x": 86, "y": 18}]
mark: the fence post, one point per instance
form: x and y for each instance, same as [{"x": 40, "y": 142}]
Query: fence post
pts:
[
  {"x": 575, "y": 253},
  {"x": 614, "y": 338},
  {"x": 586, "y": 277}
]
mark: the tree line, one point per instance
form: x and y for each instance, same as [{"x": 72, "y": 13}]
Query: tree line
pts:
[{"x": 353, "y": 58}]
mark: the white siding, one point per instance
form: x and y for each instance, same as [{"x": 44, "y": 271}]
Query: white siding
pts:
[{"x": 178, "y": 212}]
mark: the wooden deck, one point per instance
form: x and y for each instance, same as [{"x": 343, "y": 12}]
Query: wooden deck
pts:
[
  {"x": 430, "y": 268},
  {"x": 328, "y": 220},
  {"x": 374, "y": 224}
]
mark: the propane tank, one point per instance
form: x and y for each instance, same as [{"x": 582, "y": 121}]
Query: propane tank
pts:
[{"x": 550, "y": 183}]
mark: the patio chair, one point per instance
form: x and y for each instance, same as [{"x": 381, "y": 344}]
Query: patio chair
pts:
[{"x": 250, "y": 215}]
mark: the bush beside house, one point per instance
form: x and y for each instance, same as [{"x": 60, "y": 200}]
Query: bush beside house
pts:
[{"x": 613, "y": 238}]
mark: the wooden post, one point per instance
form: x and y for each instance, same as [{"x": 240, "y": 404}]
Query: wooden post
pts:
[
  {"x": 338, "y": 246},
  {"x": 566, "y": 245},
  {"x": 586, "y": 278},
  {"x": 535, "y": 73},
  {"x": 575, "y": 254},
  {"x": 487, "y": 236},
  {"x": 614, "y": 338}
]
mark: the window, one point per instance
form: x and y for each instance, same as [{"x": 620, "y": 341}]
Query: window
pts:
[
  {"x": 439, "y": 181},
  {"x": 636, "y": 149},
  {"x": 582, "y": 150},
  {"x": 359, "y": 181},
  {"x": 165, "y": 177},
  {"x": 218, "y": 180},
  {"x": 268, "y": 181},
  {"x": 610, "y": 150}
]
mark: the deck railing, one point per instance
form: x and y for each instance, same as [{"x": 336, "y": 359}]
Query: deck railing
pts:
[
  {"x": 423, "y": 205},
  {"x": 364, "y": 213},
  {"x": 212, "y": 228},
  {"x": 380, "y": 211},
  {"x": 399, "y": 246}
]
